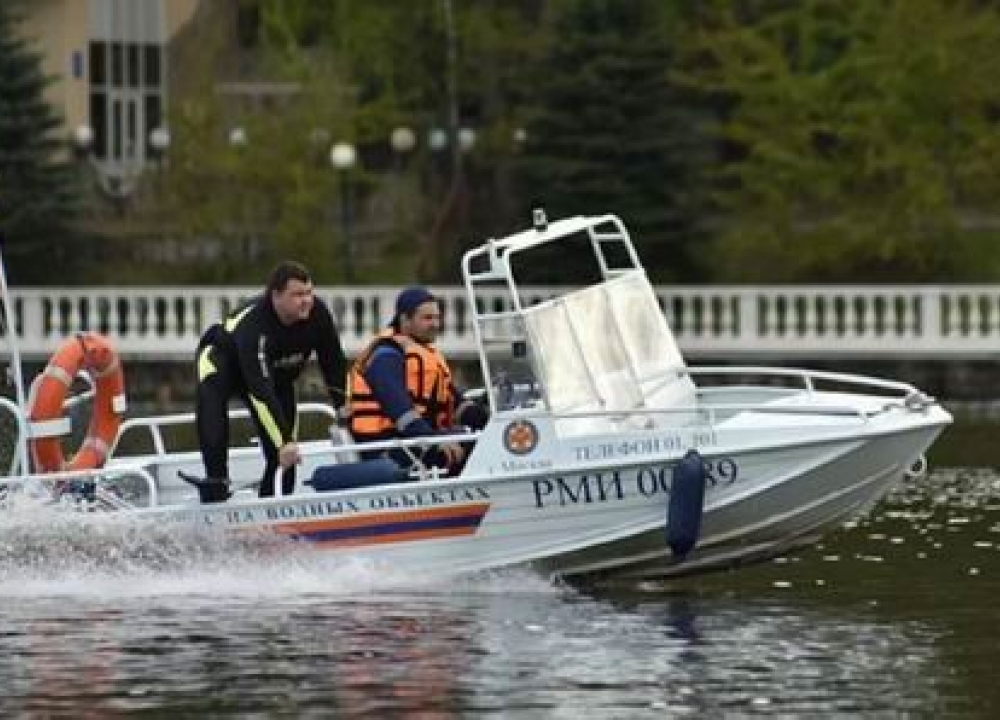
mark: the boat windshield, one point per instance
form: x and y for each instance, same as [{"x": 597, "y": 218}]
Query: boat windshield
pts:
[{"x": 606, "y": 348}]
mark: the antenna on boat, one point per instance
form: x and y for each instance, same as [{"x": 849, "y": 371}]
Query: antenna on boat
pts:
[
  {"x": 10, "y": 329},
  {"x": 539, "y": 220}
]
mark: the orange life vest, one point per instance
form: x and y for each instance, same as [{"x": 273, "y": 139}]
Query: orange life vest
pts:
[{"x": 428, "y": 381}]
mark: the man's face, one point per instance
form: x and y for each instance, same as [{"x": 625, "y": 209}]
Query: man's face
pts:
[
  {"x": 424, "y": 324},
  {"x": 294, "y": 303}
]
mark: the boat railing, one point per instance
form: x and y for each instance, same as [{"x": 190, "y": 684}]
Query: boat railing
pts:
[
  {"x": 155, "y": 424},
  {"x": 712, "y": 415},
  {"x": 809, "y": 378},
  {"x": 19, "y": 454},
  {"x": 407, "y": 445},
  {"x": 52, "y": 486},
  {"x": 895, "y": 395}
]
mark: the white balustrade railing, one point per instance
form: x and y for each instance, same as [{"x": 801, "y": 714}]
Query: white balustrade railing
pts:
[{"x": 164, "y": 323}]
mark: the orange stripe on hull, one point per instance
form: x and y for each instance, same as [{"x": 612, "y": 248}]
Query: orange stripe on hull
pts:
[
  {"x": 387, "y": 528},
  {"x": 397, "y": 538},
  {"x": 342, "y": 523}
]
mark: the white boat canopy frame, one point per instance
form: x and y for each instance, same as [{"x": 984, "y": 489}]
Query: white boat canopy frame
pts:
[{"x": 606, "y": 347}]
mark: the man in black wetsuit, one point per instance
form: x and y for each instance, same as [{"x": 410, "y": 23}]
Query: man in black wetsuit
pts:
[{"x": 256, "y": 354}]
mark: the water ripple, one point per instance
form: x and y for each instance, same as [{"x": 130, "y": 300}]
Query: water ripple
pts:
[{"x": 893, "y": 616}]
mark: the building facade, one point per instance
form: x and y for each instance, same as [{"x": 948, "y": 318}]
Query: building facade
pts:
[{"x": 108, "y": 61}]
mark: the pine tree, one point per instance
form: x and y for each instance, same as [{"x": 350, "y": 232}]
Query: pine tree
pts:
[
  {"x": 613, "y": 134},
  {"x": 37, "y": 190}
]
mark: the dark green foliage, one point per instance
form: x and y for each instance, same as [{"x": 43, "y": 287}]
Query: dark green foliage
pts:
[
  {"x": 749, "y": 140},
  {"x": 611, "y": 133},
  {"x": 38, "y": 192},
  {"x": 863, "y": 138}
]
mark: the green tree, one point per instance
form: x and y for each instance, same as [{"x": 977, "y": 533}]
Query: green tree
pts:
[
  {"x": 272, "y": 193},
  {"x": 611, "y": 132},
  {"x": 38, "y": 191},
  {"x": 442, "y": 64},
  {"x": 862, "y": 138},
  {"x": 360, "y": 69},
  {"x": 269, "y": 194}
]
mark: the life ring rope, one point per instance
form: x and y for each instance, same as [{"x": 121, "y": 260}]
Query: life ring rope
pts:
[{"x": 86, "y": 352}]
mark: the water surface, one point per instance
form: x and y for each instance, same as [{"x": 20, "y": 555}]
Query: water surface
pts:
[{"x": 895, "y": 616}]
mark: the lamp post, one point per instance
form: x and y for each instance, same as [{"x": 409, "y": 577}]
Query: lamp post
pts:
[
  {"x": 466, "y": 139},
  {"x": 159, "y": 140},
  {"x": 83, "y": 144},
  {"x": 437, "y": 139},
  {"x": 237, "y": 137},
  {"x": 159, "y": 143},
  {"x": 238, "y": 141},
  {"x": 343, "y": 157},
  {"x": 83, "y": 140},
  {"x": 403, "y": 140}
]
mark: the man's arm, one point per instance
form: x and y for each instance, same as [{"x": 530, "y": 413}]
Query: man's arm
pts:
[
  {"x": 330, "y": 356},
  {"x": 249, "y": 343}
]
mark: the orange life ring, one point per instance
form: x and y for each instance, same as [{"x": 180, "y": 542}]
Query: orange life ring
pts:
[{"x": 93, "y": 353}]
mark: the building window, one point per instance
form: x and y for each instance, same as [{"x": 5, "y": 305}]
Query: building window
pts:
[
  {"x": 127, "y": 84},
  {"x": 134, "y": 92}
]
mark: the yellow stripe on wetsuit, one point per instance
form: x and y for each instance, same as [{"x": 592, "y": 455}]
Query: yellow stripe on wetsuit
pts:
[
  {"x": 233, "y": 321},
  {"x": 205, "y": 365},
  {"x": 267, "y": 421},
  {"x": 260, "y": 408}
]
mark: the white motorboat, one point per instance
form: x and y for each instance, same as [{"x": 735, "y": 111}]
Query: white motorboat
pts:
[{"x": 581, "y": 469}]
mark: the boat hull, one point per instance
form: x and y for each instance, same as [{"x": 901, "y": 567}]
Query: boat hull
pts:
[
  {"x": 794, "y": 507},
  {"x": 601, "y": 522}
]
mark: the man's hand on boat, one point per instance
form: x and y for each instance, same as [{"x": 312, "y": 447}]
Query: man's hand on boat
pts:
[
  {"x": 454, "y": 454},
  {"x": 289, "y": 455}
]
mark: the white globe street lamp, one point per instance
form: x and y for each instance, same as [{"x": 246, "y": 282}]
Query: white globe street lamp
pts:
[
  {"x": 83, "y": 138},
  {"x": 343, "y": 157},
  {"x": 159, "y": 140},
  {"x": 403, "y": 140},
  {"x": 466, "y": 139},
  {"x": 437, "y": 139},
  {"x": 237, "y": 137}
]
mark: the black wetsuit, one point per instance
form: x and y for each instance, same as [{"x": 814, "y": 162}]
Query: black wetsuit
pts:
[{"x": 254, "y": 356}]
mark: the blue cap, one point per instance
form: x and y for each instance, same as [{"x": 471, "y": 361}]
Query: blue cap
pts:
[{"x": 412, "y": 298}]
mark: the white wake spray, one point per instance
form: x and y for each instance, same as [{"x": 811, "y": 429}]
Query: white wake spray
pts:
[{"x": 46, "y": 551}]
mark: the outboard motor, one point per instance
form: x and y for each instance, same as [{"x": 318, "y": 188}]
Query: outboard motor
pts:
[{"x": 687, "y": 501}]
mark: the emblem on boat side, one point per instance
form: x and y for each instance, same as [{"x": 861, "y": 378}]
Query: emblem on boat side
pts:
[{"x": 520, "y": 437}]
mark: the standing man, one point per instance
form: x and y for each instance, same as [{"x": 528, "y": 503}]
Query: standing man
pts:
[
  {"x": 256, "y": 354},
  {"x": 401, "y": 386}
]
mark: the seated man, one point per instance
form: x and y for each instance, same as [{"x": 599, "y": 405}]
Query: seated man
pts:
[{"x": 401, "y": 387}]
